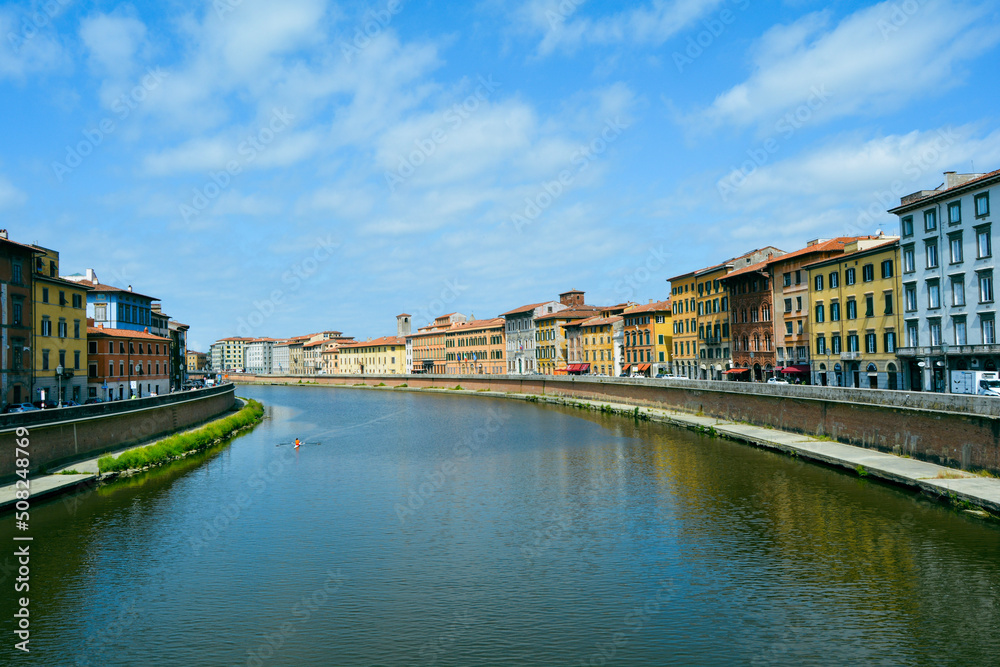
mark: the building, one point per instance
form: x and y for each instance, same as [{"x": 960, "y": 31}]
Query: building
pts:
[
  {"x": 751, "y": 323},
  {"x": 120, "y": 308},
  {"x": 16, "y": 320},
  {"x": 602, "y": 339},
  {"x": 381, "y": 356},
  {"x": 59, "y": 339},
  {"x": 647, "y": 338},
  {"x": 685, "y": 327},
  {"x": 259, "y": 354},
  {"x": 426, "y": 350},
  {"x": 551, "y": 343},
  {"x": 948, "y": 268},
  {"x": 854, "y": 317},
  {"x": 330, "y": 355},
  {"x": 196, "y": 361},
  {"x": 520, "y": 332},
  {"x": 215, "y": 355},
  {"x": 123, "y": 363},
  {"x": 178, "y": 354},
  {"x": 232, "y": 354},
  {"x": 475, "y": 347},
  {"x": 790, "y": 286},
  {"x": 281, "y": 363}
]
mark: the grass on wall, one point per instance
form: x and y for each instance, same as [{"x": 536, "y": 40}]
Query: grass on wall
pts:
[{"x": 182, "y": 443}]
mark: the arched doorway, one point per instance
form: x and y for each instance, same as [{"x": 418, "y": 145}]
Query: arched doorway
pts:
[
  {"x": 822, "y": 375},
  {"x": 855, "y": 374},
  {"x": 757, "y": 377},
  {"x": 872, "y": 372},
  {"x": 838, "y": 371},
  {"x": 890, "y": 369}
]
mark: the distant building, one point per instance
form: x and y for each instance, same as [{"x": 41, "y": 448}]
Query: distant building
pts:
[
  {"x": 602, "y": 338},
  {"x": 520, "y": 333},
  {"x": 178, "y": 354},
  {"x": 281, "y": 363},
  {"x": 426, "y": 350},
  {"x": 196, "y": 361},
  {"x": 120, "y": 308},
  {"x": 551, "y": 342},
  {"x": 17, "y": 318},
  {"x": 259, "y": 355},
  {"x": 475, "y": 348},
  {"x": 380, "y": 356},
  {"x": 647, "y": 338}
]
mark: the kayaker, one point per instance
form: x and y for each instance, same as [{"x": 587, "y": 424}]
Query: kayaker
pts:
[{"x": 297, "y": 443}]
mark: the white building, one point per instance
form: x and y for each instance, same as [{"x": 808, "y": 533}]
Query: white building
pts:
[
  {"x": 281, "y": 362},
  {"x": 519, "y": 330},
  {"x": 259, "y": 357},
  {"x": 946, "y": 256}
]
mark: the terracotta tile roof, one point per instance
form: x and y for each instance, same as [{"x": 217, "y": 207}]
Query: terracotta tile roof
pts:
[
  {"x": 100, "y": 287},
  {"x": 746, "y": 269},
  {"x": 315, "y": 343},
  {"x": 600, "y": 321},
  {"x": 524, "y": 309},
  {"x": 384, "y": 340},
  {"x": 124, "y": 333},
  {"x": 579, "y": 312},
  {"x": 404, "y": 315},
  {"x": 825, "y": 246},
  {"x": 651, "y": 307},
  {"x": 25, "y": 246},
  {"x": 477, "y": 324},
  {"x": 839, "y": 258}
]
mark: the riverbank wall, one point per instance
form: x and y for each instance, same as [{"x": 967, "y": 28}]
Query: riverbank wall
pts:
[
  {"x": 948, "y": 429},
  {"x": 58, "y": 437}
]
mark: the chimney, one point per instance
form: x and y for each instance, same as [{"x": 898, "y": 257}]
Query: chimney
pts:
[
  {"x": 92, "y": 277},
  {"x": 3, "y": 233},
  {"x": 950, "y": 179},
  {"x": 129, "y": 288},
  {"x": 650, "y": 301}
]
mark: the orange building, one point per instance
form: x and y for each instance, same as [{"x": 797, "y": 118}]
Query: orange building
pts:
[{"x": 475, "y": 347}]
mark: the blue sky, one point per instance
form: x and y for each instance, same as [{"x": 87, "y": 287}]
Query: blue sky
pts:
[{"x": 280, "y": 168}]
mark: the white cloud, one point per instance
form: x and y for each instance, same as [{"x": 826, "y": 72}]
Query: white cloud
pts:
[
  {"x": 873, "y": 61},
  {"x": 10, "y": 195},
  {"x": 113, "y": 42},
  {"x": 650, "y": 25},
  {"x": 27, "y": 43}
]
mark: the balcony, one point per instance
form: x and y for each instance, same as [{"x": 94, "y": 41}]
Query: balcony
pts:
[
  {"x": 712, "y": 340},
  {"x": 850, "y": 356},
  {"x": 941, "y": 350}
]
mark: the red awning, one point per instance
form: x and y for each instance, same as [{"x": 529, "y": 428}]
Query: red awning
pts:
[
  {"x": 584, "y": 368},
  {"x": 643, "y": 367},
  {"x": 798, "y": 368},
  {"x": 626, "y": 367},
  {"x": 577, "y": 368},
  {"x": 737, "y": 370}
]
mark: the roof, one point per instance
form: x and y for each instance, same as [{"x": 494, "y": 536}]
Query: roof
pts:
[
  {"x": 824, "y": 246},
  {"x": 28, "y": 248},
  {"x": 316, "y": 342},
  {"x": 577, "y": 313},
  {"x": 178, "y": 324},
  {"x": 124, "y": 333},
  {"x": 721, "y": 264},
  {"x": 651, "y": 307},
  {"x": 101, "y": 287},
  {"x": 476, "y": 324},
  {"x": 881, "y": 247},
  {"x": 62, "y": 281},
  {"x": 946, "y": 192},
  {"x": 753, "y": 268},
  {"x": 524, "y": 309},
  {"x": 384, "y": 340},
  {"x": 404, "y": 315},
  {"x": 600, "y": 321}
]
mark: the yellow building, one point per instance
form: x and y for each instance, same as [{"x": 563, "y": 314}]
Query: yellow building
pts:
[
  {"x": 195, "y": 361},
  {"x": 683, "y": 289},
  {"x": 550, "y": 337},
  {"x": 855, "y": 317},
  {"x": 599, "y": 336},
  {"x": 60, "y": 332},
  {"x": 381, "y": 356}
]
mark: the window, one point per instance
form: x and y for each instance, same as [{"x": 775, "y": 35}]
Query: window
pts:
[
  {"x": 955, "y": 213},
  {"x": 934, "y": 326},
  {"x": 868, "y": 273},
  {"x": 909, "y": 264},
  {"x": 852, "y": 342},
  {"x": 835, "y": 344},
  {"x": 819, "y": 312},
  {"x": 852, "y": 309},
  {"x": 820, "y": 344},
  {"x": 869, "y": 305},
  {"x": 76, "y": 329},
  {"x": 834, "y": 280},
  {"x": 890, "y": 341},
  {"x": 986, "y": 287},
  {"x": 887, "y": 268},
  {"x": 76, "y": 360},
  {"x": 958, "y": 290},
  {"x": 955, "y": 246},
  {"x": 45, "y": 360},
  {"x": 871, "y": 346},
  {"x": 92, "y": 347},
  {"x": 983, "y": 246},
  {"x": 912, "y": 339},
  {"x": 930, "y": 220},
  {"x": 100, "y": 311},
  {"x": 121, "y": 347},
  {"x": 888, "y": 303},
  {"x": 45, "y": 295},
  {"x": 818, "y": 282},
  {"x": 16, "y": 279},
  {"x": 788, "y": 328},
  {"x": 17, "y": 313},
  {"x": 77, "y": 301},
  {"x": 62, "y": 328},
  {"x": 787, "y": 279},
  {"x": 982, "y": 205},
  {"x": 798, "y": 277},
  {"x": 46, "y": 326},
  {"x": 798, "y": 303},
  {"x": 933, "y": 294},
  {"x": 989, "y": 331},
  {"x": 788, "y": 305},
  {"x": 932, "y": 254},
  {"x": 835, "y": 311},
  {"x": 907, "y": 225},
  {"x": 961, "y": 336}
]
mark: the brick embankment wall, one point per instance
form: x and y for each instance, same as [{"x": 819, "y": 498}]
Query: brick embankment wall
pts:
[
  {"x": 63, "y": 436},
  {"x": 949, "y": 429}
]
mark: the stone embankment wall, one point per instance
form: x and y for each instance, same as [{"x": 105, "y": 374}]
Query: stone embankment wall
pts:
[
  {"x": 62, "y": 436},
  {"x": 950, "y": 429}
]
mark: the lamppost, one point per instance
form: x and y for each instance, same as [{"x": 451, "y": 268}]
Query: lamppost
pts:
[{"x": 59, "y": 374}]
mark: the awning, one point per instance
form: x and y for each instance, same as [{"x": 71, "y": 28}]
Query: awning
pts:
[
  {"x": 799, "y": 368},
  {"x": 578, "y": 368},
  {"x": 626, "y": 367},
  {"x": 737, "y": 370},
  {"x": 584, "y": 368}
]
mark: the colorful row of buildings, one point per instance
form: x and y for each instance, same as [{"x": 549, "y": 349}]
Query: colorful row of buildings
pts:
[
  {"x": 73, "y": 338},
  {"x": 881, "y": 311}
]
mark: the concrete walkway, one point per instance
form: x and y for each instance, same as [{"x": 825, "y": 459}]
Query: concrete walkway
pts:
[{"x": 55, "y": 483}]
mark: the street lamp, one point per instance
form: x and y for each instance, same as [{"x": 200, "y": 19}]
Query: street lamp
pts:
[{"x": 59, "y": 374}]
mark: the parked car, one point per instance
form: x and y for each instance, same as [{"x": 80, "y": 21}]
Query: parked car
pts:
[
  {"x": 70, "y": 404},
  {"x": 777, "y": 381},
  {"x": 46, "y": 404},
  {"x": 91, "y": 401},
  {"x": 20, "y": 407}
]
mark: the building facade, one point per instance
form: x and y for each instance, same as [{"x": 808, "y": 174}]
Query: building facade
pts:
[
  {"x": 475, "y": 348},
  {"x": 751, "y": 323},
  {"x": 196, "y": 361},
  {"x": 259, "y": 353},
  {"x": 551, "y": 343},
  {"x": 123, "y": 363},
  {"x": 603, "y": 344},
  {"x": 386, "y": 355},
  {"x": 281, "y": 358},
  {"x": 16, "y": 320},
  {"x": 855, "y": 323},
  {"x": 948, "y": 270},
  {"x": 59, "y": 338},
  {"x": 648, "y": 338},
  {"x": 178, "y": 354},
  {"x": 520, "y": 334}
]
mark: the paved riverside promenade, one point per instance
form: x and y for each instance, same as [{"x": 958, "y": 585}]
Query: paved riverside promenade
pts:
[{"x": 55, "y": 483}]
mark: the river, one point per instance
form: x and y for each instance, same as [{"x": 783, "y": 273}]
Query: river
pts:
[{"x": 415, "y": 529}]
